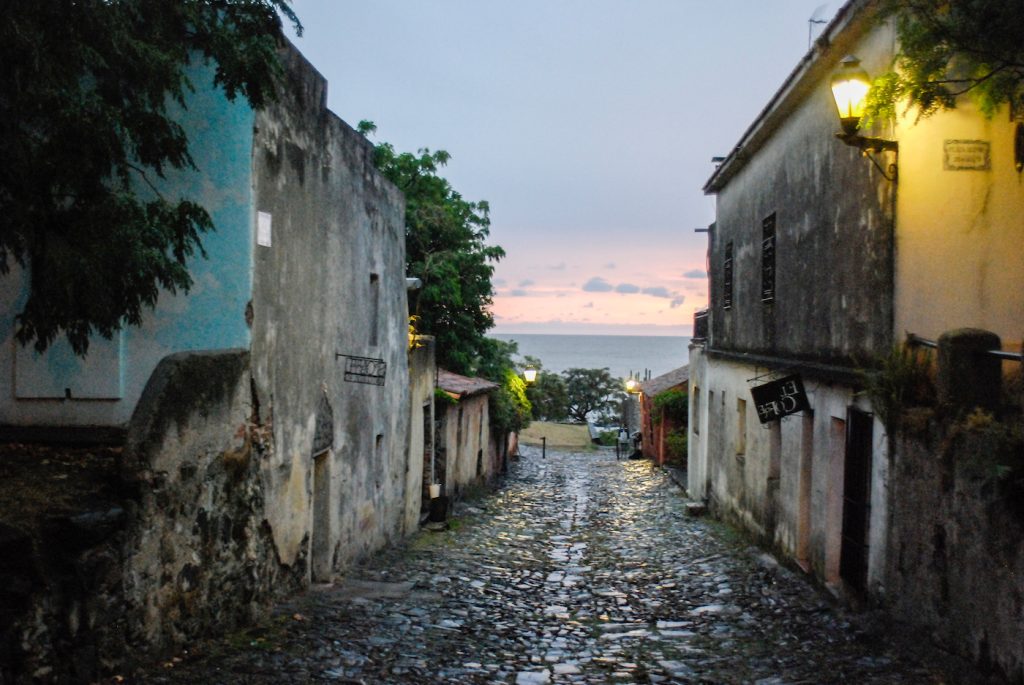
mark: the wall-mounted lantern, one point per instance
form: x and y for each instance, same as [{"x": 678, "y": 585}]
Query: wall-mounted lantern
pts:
[
  {"x": 850, "y": 86},
  {"x": 530, "y": 375}
]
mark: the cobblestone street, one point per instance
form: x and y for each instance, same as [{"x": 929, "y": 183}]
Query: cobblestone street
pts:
[{"x": 581, "y": 569}]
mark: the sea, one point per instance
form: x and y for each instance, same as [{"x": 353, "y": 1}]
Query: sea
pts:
[{"x": 621, "y": 354}]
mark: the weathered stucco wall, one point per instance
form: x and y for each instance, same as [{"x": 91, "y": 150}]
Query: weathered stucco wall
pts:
[
  {"x": 465, "y": 440},
  {"x": 959, "y": 231},
  {"x": 330, "y": 285},
  {"x": 784, "y": 481},
  {"x": 199, "y": 555},
  {"x": 422, "y": 375},
  {"x": 105, "y": 386},
  {"x": 956, "y": 565},
  {"x": 833, "y": 236}
]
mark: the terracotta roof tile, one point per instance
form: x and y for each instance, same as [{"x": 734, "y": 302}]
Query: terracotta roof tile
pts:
[
  {"x": 463, "y": 386},
  {"x": 680, "y": 376}
]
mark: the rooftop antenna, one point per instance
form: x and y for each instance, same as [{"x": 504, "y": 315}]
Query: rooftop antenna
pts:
[{"x": 817, "y": 17}]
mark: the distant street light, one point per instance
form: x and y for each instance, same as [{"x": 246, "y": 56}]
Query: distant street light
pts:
[
  {"x": 530, "y": 375},
  {"x": 632, "y": 386}
]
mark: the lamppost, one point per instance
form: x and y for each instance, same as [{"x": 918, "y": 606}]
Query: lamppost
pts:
[{"x": 850, "y": 86}]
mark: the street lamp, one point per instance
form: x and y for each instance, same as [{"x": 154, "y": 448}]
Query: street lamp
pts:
[
  {"x": 530, "y": 375},
  {"x": 632, "y": 386},
  {"x": 850, "y": 86}
]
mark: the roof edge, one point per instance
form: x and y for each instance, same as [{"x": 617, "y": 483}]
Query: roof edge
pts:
[{"x": 849, "y": 24}]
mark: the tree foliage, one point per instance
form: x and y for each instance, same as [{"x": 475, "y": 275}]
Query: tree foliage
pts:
[
  {"x": 446, "y": 247},
  {"x": 86, "y": 91},
  {"x": 947, "y": 49},
  {"x": 509, "y": 408},
  {"x": 590, "y": 390}
]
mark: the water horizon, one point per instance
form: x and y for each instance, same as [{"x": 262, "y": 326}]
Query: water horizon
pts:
[{"x": 620, "y": 354}]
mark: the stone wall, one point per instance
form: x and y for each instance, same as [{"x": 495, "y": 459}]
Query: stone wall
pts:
[
  {"x": 832, "y": 216},
  {"x": 199, "y": 555},
  {"x": 166, "y": 544},
  {"x": 955, "y": 562},
  {"x": 329, "y": 290}
]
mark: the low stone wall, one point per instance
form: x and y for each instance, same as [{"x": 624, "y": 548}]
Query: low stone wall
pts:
[
  {"x": 106, "y": 560},
  {"x": 199, "y": 554},
  {"x": 955, "y": 561}
]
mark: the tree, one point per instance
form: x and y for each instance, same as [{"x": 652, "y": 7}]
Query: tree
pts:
[
  {"x": 86, "y": 91},
  {"x": 947, "y": 49},
  {"x": 446, "y": 247},
  {"x": 590, "y": 390},
  {"x": 509, "y": 408},
  {"x": 548, "y": 395}
]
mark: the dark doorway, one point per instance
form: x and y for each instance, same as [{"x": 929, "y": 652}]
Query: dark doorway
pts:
[
  {"x": 322, "y": 549},
  {"x": 853, "y": 556}
]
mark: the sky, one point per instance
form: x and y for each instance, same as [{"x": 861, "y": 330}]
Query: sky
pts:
[{"x": 588, "y": 125}]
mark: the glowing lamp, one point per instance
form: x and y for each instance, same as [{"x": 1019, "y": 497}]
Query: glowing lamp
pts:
[
  {"x": 632, "y": 385},
  {"x": 850, "y": 86},
  {"x": 530, "y": 374}
]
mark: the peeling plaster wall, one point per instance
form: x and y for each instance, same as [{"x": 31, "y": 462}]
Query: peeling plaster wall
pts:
[
  {"x": 107, "y": 384},
  {"x": 466, "y": 437},
  {"x": 959, "y": 232},
  {"x": 198, "y": 554},
  {"x": 834, "y": 245},
  {"x": 766, "y": 499},
  {"x": 330, "y": 284},
  {"x": 422, "y": 374},
  {"x": 956, "y": 565}
]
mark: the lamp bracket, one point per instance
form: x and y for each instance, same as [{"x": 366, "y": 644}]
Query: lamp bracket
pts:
[{"x": 871, "y": 146}]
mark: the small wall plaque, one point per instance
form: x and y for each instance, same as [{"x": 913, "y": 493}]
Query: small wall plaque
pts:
[
  {"x": 966, "y": 155},
  {"x": 364, "y": 369},
  {"x": 263, "y": 221}
]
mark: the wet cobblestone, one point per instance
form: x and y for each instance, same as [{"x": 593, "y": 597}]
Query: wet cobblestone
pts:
[{"x": 581, "y": 569}]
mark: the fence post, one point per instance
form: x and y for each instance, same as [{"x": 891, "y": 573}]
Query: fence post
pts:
[{"x": 967, "y": 377}]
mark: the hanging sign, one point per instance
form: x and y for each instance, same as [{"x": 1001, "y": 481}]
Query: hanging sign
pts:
[
  {"x": 364, "y": 369},
  {"x": 780, "y": 398}
]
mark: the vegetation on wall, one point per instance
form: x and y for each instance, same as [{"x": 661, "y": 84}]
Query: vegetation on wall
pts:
[
  {"x": 948, "y": 49},
  {"x": 672, "y": 404},
  {"x": 89, "y": 90},
  {"x": 900, "y": 379},
  {"x": 676, "y": 446}
]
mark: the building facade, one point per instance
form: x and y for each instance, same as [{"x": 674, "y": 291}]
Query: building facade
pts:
[{"x": 820, "y": 262}]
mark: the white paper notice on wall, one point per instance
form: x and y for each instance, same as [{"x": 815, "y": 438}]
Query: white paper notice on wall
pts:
[{"x": 263, "y": 228}]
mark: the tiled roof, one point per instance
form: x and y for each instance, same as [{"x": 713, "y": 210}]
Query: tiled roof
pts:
[
  {"x": 680, "y": 376},
  {"x": 463, "y": 386}
]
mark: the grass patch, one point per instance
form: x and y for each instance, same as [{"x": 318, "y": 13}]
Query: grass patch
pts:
[{"x": 565, "y": 435}]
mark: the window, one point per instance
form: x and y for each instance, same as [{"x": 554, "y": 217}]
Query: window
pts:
[
  {"x": 727, "y": 277},
  {"x": 741, "y": 426},
  {"x": 768, "y": 259},
  {"x": 374, "y": 307},
  {"x": 695, "y": 405}
]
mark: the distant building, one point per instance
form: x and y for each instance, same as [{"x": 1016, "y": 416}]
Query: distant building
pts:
[
  {"x": 463, "y": 456},
  {"x": 656, "y": 423}
]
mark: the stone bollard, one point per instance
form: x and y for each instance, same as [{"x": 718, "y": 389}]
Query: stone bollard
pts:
[{"x": 967, "y": 377}]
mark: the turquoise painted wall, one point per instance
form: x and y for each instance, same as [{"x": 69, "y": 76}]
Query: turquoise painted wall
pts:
[{"x": 211, "y": 316}]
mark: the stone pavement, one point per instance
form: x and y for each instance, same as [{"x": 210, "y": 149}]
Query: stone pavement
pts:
[{"x": 581, "y": 569}]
